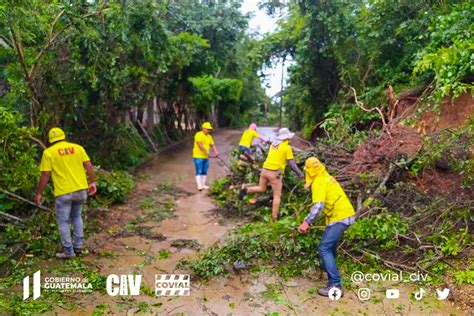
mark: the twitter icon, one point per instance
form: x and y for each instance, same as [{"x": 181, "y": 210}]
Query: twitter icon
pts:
[{"x": 442, "y": 295}]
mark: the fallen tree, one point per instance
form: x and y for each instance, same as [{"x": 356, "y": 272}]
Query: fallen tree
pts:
[{"x": 400, "y": 225}]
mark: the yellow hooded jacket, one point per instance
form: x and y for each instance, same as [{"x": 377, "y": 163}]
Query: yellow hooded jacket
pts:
[{"x": 324, "y": 188}]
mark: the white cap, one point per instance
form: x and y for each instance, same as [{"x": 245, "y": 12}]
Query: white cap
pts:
[{"x": 284, "y": 133}]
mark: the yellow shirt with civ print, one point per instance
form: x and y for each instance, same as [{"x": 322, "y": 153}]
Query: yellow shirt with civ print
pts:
[
  {"x": 247, "y": 138},
  {"x": 206, "y": 141},
  {"x": 278, "y": 156},
  {"x": 65, "y": 161},
  {"x": 337, "y": 205}
]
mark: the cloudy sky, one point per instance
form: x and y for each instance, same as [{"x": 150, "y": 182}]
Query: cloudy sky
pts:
[{"x": 263, "y": 23}]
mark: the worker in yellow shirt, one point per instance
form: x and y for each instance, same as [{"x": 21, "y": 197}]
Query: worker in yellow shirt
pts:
[
  {"x": 328, "y": 198},
  {"x": 65, "y": 162},
  {"x": 247, "y": 138},
  {"x": 203, "y": 142},
  {"x": 279, "y": 154}
]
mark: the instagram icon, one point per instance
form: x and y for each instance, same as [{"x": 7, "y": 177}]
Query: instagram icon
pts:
[{"x": 363, "y": 294}]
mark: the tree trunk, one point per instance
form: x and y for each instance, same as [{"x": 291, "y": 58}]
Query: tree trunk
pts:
[{"x": 150, "y": 118}]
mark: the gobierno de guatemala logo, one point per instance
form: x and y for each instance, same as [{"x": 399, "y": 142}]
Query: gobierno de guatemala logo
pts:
[
  {"x": 54, "y": 284},
  {"x": 36, "y": 286}
]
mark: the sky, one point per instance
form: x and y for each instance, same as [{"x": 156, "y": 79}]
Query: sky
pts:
[{"x": 263, "y": 23}]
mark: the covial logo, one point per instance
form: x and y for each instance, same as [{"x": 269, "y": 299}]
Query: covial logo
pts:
[
  {"x": 36, "y": 286},
  {"x": 172, "y": 285}
]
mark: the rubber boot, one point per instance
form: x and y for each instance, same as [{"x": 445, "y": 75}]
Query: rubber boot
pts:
[
  {"x": 203, "y": 182},
  {"x": 199, "y": 183}
]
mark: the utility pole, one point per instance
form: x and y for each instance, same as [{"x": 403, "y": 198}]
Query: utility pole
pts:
[{"x": 281, "y": 89}]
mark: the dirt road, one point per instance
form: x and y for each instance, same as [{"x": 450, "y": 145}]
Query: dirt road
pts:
[{"x": 136, "y": 241}]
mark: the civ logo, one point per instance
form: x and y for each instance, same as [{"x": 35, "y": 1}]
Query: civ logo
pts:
[
  {"x": 123, "y": 284},
  {"x": 36, "y": 286}
]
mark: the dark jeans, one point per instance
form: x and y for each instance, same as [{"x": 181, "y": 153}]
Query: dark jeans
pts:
[
  {"x": 327, "y": 252},
  {"x": 244, "y": 150}
]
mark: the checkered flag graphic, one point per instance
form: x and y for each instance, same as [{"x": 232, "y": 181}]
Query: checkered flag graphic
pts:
[{"x": 172, "y": 285}]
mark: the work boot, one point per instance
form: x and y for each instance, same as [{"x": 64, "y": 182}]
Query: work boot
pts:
[
  {"x": 243, "y": 193},
  {"x": 198, "y": 182},
  {"x": 80, "y": 250},
  {"x": 65, "y": 255},
  {"x": 203, "y": 182},
  {"x": 324, "y": 291}
]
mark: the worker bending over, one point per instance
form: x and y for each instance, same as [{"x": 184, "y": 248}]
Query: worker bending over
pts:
[
  {"x": 279, "y": 154},
  {"x": 329, "y": 198}
]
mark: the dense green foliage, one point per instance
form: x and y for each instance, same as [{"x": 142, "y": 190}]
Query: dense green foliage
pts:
[
  {"x": 209, "y": 90},
  {"x": 449, "y": 53},
  {"x": 369, "y": 45},
  {"x": 93, "y": 69},
  {"x": 18, "y": 164}
]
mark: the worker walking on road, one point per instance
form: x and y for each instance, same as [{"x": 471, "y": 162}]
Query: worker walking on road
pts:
[
  {"x": 247, "y": 138},
  {"x": 279, "y": 154},
  {"x": 329, "y": 198},
  {"x": 65, "y": 163},
  {"x": 203, "y": 142}
]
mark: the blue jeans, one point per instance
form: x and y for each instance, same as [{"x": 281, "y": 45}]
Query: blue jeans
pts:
[
  {"x": 244, "y": 150},
  {"x": 201, "y": 165},
  {"x": 68, "y": 208},
  {"x": 327, "y": 252}
]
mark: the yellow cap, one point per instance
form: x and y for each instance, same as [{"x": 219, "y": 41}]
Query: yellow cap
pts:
[
  {"x": 206, "y": 125},
  {"x": 56, "y": 134}
]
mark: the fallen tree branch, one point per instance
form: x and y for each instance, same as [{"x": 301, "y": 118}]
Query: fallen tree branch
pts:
[
  {"x": 38, "y": 141},
  {"x": 22, "y": 199},
  {"x": 382, "y": 183},
  {"x": 11, "y": 217},
  {"x": 152, "y": 143},
  {"x": 379, "y": 110}
]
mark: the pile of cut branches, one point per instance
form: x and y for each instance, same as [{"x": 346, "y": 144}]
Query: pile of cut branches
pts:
[{"x": 398, "y": 225}]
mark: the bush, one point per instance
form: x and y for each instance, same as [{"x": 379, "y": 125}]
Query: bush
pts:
[
  {"x": 113, "y": 187},
  {"x": 18, "y": 159},
  {"x": 449, "y": 52}
]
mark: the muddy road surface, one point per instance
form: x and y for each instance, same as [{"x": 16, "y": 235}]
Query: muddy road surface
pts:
[{"x": 166, "y": 219}]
